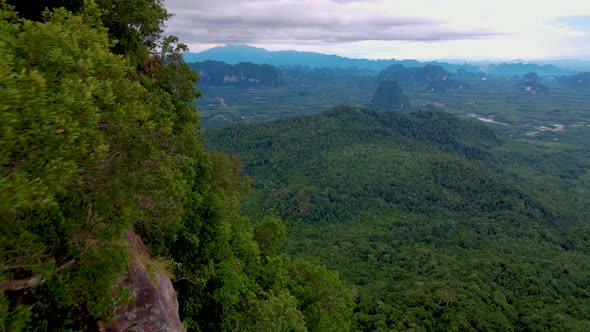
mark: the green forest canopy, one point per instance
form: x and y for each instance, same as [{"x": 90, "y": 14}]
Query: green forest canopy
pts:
[
  {"x": 435, "y": 220},
  {"x": 99, "y": 135}
]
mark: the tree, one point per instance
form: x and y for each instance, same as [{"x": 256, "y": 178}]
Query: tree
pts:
[
  {"x": 270, "y": 234},
  {"x": 278, "y": 313},
  {"x": 323, "y": 298},
  {"x": 69, "y": 115},
  {"x": 135, "y": 26},
  {"x": 95, "y": 143}
]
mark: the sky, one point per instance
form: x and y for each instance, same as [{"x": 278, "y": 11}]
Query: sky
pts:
[{"x": 391, "y": 29}]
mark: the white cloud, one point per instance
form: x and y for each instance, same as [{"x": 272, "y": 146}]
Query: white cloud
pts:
[{"x": 422, "y": 29}]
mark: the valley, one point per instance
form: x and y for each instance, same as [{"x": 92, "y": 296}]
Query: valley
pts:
[
  {"x": 465, "y": 211},
  {"x": 370, "y": 188},
  {"x": 495, "y": 100},
  {"x": 438, "y": 223}
]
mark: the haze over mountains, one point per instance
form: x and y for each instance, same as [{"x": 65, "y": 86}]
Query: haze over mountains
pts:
[{"x": 234, "y": 54}]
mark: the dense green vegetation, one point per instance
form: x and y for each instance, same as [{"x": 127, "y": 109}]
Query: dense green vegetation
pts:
[
  {"x": 493, "y": 99},
  {"x": 99, "y": 135},
  {"x": 434, "y": 221},
  {"x": 298, "y": 96},
  {"x": 439, "y": 224}
]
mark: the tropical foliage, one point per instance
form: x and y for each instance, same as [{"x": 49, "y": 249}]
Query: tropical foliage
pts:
[
  {"x": 436, "y": 221},
  {"x": 100, "y": 135}
]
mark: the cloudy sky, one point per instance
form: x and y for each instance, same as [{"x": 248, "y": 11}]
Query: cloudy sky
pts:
[{"x": 385, "y": 29}]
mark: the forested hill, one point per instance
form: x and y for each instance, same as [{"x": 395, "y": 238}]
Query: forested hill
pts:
[
  {"x": 430, "y": 216},
  {"x": 423, "y": 162}
]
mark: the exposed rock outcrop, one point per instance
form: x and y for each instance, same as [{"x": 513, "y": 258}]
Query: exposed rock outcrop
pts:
[
  {"x": 154, "y": 306},
  {"x": 426, "y": 74},
  {"x": 241, "y": 74},
  {"x": 438, "y": 79},
  {"x": 531, "y": 84},
  {"x": 581, "y": 80}
]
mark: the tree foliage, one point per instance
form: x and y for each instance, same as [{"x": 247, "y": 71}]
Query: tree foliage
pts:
[
  {"x": 99, "y": 137},
  {"x": 69, "y": 115},
  {"x": 135, "y": 26},
  {"x": 436, "y": 222}
]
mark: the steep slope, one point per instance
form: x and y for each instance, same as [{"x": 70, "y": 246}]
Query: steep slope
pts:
[
  {"x": 426, "y": 74},
  {"x": 242, "y": 74},
  {"x": 581, "y": 80},
  {"x": 437, "y": 78},
  {"x": 390, "y": 95},
  {"x": 423, "y": 215},
  {"x": 530, "y": 83}
]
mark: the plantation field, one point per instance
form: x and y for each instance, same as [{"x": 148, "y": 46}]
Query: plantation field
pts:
[
  {"x": 298, "y": 97},
  {"x": 498, "y": 102}
]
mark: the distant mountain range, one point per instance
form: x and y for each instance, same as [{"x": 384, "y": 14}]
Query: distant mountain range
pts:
[
  {"x": 234, "y": 54},
  {"x": 243, "y": 53},
  {"x": 521, "y": 69},
  {"x": 571, "y": 64}
]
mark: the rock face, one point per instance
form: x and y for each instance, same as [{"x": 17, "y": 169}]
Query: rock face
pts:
[
  {"x": 581, "y": 80},
  {"x": 531, "y": 84},
  {"x": 241, "y": 74},
  {"x": 426, "y": 74},
  {"x": 438, "y": 79},
  {"x": 154, "y": 306},
  {"x": 389, "y": 94}
]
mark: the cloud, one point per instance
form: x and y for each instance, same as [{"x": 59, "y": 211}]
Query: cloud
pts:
[
  {"x": 578, "y": 22},
  {"x": 306, "y": 22}
]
